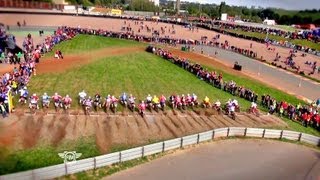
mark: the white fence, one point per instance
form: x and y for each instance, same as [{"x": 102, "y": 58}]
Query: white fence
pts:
[{"x": 126, "y": 155}]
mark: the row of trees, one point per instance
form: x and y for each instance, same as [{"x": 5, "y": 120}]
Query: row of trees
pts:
[
  {"x": 214, "y": 11},
  {"x": 254, "y": 14},
  {"x": 133, "y": 5}
]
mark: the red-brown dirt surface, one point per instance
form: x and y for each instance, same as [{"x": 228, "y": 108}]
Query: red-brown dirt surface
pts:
[
  {"x": 181, "y": 32},
  {"x": 26, "y": 131},
  {"x": 70, "y": 61}
]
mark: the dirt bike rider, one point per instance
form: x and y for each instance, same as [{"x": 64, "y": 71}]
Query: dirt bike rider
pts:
[
  {"x": 23, "y": 95},
  {"x": 189, "y": 100},
  {"x": 228, "y": 105},
  {"x": 155, "y": 101},
  {"x": 142, "y": 107},
  {"x": 232, "y": 109},
  {"x": 123, "y": 98},
  {"x": 67, "y": 101},
  {"x": 82, "y": 96},
  {"x": 97, "y": 99},
  {"x": 253, "y": 107},
  {"x": 131, "y": 101},
  {"x": 114, "y": 101},
  {"x": 149, "y": 100},
  {"x": 88, "y": 102},
  {"x": 194, "y": 99},
  {"x": 162, "y": 101},
  {"x": 107, "y": 101},
  {"x": 172, "y": 100},
  {"x": 183, "y": 100},
  {"x": 235, "y": 103},
  {"x": 34, "y": 101},
  {"x": 177, "y": 101},
  {"x": 217, "y": 105},
  {"x": 45, "y": 100},
  {"x": 56, "y": 98},
  {"x": 206, "y": 102}
]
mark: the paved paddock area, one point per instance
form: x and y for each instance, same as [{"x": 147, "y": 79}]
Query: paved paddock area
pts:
[{"x": 232, "y": 159}]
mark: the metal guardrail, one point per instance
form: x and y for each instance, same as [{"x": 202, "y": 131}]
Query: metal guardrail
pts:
[{"x": 142, "y": 151}]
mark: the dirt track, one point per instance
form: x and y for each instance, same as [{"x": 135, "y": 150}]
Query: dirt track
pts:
[
  {"x": 26, "y": 131},
  {"x": 227, "y": 159},
  {"x": 50, "y": 65},
  {"x": 116, "y": 24}
]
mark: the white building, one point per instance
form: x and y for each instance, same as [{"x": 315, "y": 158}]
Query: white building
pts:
[
  {"x": 224, "y": 16},
  {"x": 269, "y": 22}
]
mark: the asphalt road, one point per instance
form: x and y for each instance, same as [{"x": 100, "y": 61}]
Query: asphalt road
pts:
[
  {"x": 232, "y": 159},
  {"x": 270, "y": 75}
]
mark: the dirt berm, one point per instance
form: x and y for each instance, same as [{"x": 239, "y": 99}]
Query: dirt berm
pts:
[{"x": 21, "y": 130}]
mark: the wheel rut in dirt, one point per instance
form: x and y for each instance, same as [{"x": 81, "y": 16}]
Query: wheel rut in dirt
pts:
[{"x": 110, "y": 130}]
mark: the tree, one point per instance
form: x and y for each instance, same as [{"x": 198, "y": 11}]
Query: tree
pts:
[
  {"x": 307, "y": 20},
  {"x": 267, "y": 13},
  {"x": 245, "y": 12},
  {"x": 141, "y": 5},
  {"x": 285, "y": 19},
  {"x": 222, "y": 7},
  {"x": 296, "y": 19},
  {"x": 254, "y": 12},
  {"x": 214, "y": 12}
]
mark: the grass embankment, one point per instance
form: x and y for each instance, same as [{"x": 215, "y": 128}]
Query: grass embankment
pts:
[
  {"x": 140, "y": 73},
  {"x": 44, "y": 155},
  {"x": 84, "y": 43},
  {"x": 301, "y": 42}
]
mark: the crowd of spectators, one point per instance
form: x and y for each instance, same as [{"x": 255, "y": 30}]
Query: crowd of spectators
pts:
[
  {"x": 307, "y": 114},
  {"x": 225, "y": 28},
  {"x": 13, "y": 82},
  {"x": 313, "y": 36}
]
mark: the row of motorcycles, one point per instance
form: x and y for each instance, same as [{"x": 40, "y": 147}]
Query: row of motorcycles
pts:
[
  {"x": 59, "y": 101},
  {"x": 111, "y": 103}
]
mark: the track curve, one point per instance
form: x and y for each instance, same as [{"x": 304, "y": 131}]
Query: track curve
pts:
[{"x": 233, "y": 159}]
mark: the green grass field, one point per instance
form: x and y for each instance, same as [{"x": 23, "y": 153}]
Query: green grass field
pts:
[
  {"x": 140, "y": 73},
  {"x": 84, "y": 43},
  {"x": 44, "y": 155},
  {"x": 278, "y": 38}
]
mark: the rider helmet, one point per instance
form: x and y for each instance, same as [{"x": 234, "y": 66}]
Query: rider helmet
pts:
[
  {"x": 56, "y": 94},
  {"x": 34, "y": 95},
  {"x": 45, "y": 94},
  {"x": 67, "y": 96}
]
